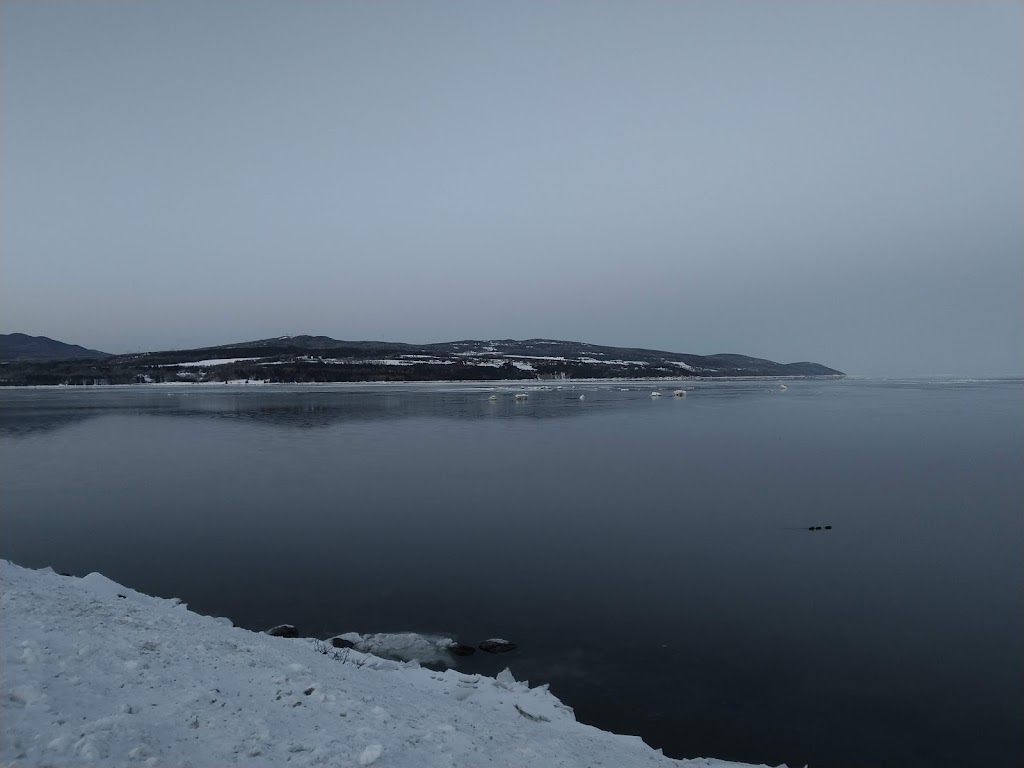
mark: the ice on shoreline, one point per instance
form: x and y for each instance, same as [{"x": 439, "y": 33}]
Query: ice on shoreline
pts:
[
  {"x": 404, "y": 646},
  {"x": 95, "y": 673}
]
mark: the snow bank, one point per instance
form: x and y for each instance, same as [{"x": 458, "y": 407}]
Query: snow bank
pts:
[{"x": 96, "y": 673}]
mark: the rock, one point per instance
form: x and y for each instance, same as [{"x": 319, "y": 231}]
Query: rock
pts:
[
  {"x": 828, "y": 527},
  {"x": 283, "y": 630},
  {"x": 458, "y": 649},
  {"x": 341, "y": 642},
  {"x": 497, "y": 645}
]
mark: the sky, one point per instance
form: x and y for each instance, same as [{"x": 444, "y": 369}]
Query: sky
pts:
[{"x": 840, "y": 181}]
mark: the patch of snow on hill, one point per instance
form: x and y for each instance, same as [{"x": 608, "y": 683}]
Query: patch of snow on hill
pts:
[
  {"x": 95, "y": 673},
  {"x": 611, "y": 362},
  {"x": 210, "y": 363},
  {"x": 535, "y": 357}
]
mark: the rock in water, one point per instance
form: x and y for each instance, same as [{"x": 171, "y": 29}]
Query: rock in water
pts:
[
  {"x": 458, "y": 649},
  {"x": 283, "y": 630},
  {"x": 497, "y": 645}
]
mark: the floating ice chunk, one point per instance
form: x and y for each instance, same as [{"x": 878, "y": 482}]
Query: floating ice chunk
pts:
[{"x": 403, "y": 646}]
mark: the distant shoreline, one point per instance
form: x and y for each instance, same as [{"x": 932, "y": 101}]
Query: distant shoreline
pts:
[{"x": 475, "y": 383}]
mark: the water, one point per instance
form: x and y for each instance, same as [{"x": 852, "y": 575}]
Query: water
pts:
[{"x": 650, "y": 555}]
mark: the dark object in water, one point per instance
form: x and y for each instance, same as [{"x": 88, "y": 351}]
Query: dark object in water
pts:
[
  {"x": 810, "y": 528},
  {"x": 497, "y": 646},
  {"x": 458, "y": 649},
  {"x": 817, "y": 527},
  {"x": 283, "y": 630},
  {"x": 828, "y": 527}
]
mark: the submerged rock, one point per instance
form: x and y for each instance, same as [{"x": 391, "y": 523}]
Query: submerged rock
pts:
[
  {"x": 497, "y": 645},
  {"x": 283, "y": 630}
]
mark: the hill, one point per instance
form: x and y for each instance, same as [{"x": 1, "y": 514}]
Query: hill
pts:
[
  {"x": 323, "y": 359},
  {"x": 20, "y": 346}
]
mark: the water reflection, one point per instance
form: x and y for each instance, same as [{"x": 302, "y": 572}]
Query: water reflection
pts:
[{"x": 24, "y": 412}]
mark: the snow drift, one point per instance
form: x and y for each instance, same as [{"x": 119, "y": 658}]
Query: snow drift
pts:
[{"x": 96, "y": 673}]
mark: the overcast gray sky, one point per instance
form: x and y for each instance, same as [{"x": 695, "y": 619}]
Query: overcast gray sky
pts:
[{"x": 837, "y": 181}]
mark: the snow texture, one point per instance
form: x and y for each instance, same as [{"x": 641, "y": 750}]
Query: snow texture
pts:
[{"x": 95, "y": 673}]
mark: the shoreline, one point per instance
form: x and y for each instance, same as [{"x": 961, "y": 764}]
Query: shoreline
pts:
[
  {"x": 97, "y": 673},
  {"x": 474, "y": 383}
]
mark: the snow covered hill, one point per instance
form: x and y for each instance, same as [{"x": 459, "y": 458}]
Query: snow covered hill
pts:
[{"x": 97, "y": 674}]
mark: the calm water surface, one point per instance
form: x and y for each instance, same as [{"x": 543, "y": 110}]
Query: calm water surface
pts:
[{"x": 650, "y": 555}]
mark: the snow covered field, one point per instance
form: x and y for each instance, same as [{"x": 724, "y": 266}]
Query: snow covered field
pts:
[{"x": 96, "y": 673}]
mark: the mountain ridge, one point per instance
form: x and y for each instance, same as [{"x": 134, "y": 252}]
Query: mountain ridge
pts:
[
  {"x": 307, "y": 358},
  {"x": 21, "y": 346}
]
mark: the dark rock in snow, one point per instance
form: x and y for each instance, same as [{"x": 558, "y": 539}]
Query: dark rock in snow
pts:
[
  {"x": 283, "y": 630},
  {"x": 497, "y": 645},
  {"x": 458, "y": 649},
  {"x": 341, "y": 642}
]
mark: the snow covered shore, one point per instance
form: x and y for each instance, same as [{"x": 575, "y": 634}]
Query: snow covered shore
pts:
[{"x": 96, "y": 673}]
